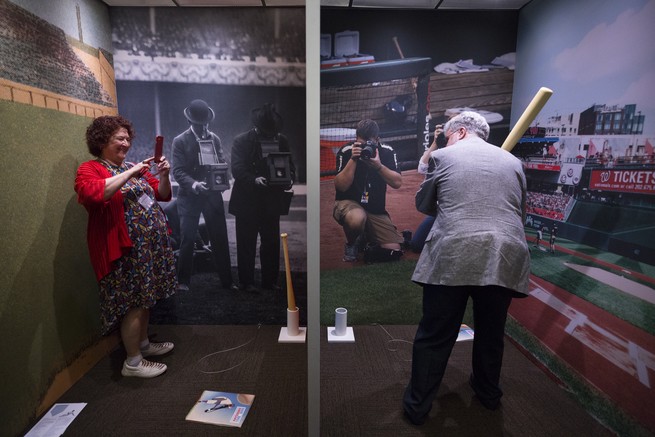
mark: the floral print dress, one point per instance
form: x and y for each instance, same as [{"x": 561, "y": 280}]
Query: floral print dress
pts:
[{"x": 147, "y": 273}]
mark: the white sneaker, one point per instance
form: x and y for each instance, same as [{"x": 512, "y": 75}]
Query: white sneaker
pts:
[
  {"x": 145, "y": 369},
  {"x": 157, "y": 349}
]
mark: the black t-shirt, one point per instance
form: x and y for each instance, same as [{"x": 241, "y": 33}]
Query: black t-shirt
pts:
[{"x": 368, "y": 187}]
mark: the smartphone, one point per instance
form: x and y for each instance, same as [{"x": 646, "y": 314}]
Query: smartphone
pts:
[
  {"x": 441, "y": 141},
  {"x": 159, "y": 147}
]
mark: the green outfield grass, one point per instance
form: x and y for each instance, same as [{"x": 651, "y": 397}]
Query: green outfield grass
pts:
[
  {"x": 375, "y": 293},
  {"x": 624, "y": 306},
  {"x": 384, "y": 293},
  {"x": 609, "y": 257}
]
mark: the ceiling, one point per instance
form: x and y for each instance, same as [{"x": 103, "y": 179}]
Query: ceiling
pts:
[
  {"x": 414, "y": 4},
  {"x": 205, "y": 3}
]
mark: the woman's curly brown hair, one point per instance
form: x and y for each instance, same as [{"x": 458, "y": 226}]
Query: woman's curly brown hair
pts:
[{"x": 102, "y": 128}]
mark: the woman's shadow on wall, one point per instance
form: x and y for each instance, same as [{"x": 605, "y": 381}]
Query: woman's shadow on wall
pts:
[{"x": 52, "y": 305}]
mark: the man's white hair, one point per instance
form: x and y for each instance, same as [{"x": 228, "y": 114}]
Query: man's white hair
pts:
[{"x": 472, "y": 121}]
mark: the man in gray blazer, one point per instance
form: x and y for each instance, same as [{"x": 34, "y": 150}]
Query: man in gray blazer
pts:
[{"x": 476, "y": 248}]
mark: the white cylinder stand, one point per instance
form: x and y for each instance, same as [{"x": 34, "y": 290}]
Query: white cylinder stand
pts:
[
  {"x": 340, "y": 321},
  {"x": 293, "y": 322}
]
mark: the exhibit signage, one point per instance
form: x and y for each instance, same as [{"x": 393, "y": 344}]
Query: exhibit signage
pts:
[{"x": 627, "y": 181}]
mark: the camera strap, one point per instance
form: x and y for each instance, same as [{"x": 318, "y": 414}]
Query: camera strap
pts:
[{"x": 365, "y": 196}]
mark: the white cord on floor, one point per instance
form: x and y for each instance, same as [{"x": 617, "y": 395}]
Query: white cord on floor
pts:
[
  {"x": 259, "y": 325},
  {"x": 394, "y": 340}
]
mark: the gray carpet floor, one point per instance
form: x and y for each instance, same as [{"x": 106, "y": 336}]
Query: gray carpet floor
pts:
[
  {"x": 360, "y": 390},
  {"x": 236, "y": 359},
  {"x": 362, "y": 385}
]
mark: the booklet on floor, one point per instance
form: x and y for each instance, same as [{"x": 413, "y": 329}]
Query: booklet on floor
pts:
[
  {"x": 221, "y": 408},
  {"x": 56, "y": 420},
  {"x": 465, "y": 333}
]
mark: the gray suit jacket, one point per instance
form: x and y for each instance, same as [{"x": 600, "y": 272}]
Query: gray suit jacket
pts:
[{"x": 478, "y": 236}]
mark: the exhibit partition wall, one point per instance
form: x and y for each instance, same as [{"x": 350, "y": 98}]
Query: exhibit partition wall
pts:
[
  {"x": 591, "y": 194},
  {"x": 55, "y": 76},
  {"x": 61, "y": 63},
  {"x": 588, "y": 159}
]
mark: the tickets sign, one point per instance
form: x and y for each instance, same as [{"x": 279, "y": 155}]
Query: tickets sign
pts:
[{"x": 627, "y": 181}]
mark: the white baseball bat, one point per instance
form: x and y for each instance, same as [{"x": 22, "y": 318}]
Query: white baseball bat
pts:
[{"x": 530, "y": 113}]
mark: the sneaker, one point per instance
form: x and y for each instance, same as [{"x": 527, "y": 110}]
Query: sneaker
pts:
[
  {"x": 157, "y": 349},
  {"x": 350, "y": 253},
  {"x": 360, "y": 242},
  {"x": 182, "y": 287},
  {"x": 145, "y": 369},
  {"x": 407, "y": 238}
]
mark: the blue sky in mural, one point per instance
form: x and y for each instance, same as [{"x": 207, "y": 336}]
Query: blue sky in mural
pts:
[{"x": 588, "y": 52}]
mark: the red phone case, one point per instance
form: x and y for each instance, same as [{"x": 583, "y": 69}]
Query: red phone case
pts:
[{"x": 159, "y": 147}]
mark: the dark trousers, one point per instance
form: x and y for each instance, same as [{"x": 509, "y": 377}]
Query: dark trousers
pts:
[
  {"x": 268, "y": 230},
  {"x": 214, "y": 214},
  {"x": 421, "y": 233},
  {"x": 443, "y": 310}
]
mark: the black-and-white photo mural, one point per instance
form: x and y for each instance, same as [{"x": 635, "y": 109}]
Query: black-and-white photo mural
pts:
[{"x": 225, "y": 88}]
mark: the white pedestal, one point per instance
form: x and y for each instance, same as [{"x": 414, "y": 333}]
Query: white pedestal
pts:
[
  {"x": 286, "y": 338},
  {"x": 292, "y": 333},
  {"x": 333, "y": 338}
]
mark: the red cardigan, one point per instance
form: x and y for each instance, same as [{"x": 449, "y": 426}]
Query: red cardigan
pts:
[{"x": 107, "y": 234}]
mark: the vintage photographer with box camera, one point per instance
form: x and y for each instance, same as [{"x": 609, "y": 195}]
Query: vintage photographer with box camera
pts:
[
  {"x": 263, "y": 175},
  {"x": 203, "y": 174},
  {"x": 364, "y": 169}
]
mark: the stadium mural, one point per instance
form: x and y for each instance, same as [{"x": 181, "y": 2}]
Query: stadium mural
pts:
[
  {"x": 46, "y": 67},
  {"x": 55, "y": 74},
  {"x": 383, "y": 65},
  {"x": 591, "y": 204}
]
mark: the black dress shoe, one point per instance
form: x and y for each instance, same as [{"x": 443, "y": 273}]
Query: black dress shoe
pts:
[
  {"x": 231, "y": 287},
  {"x": 415, "y": 421},
  {"x": 247, "y": 288},
  {"x": 272, "y": 287},
  {"x": 489, "y": 404}
]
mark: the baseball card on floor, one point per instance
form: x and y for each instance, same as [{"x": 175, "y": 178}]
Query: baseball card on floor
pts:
[{"x": 221, "y": 408}]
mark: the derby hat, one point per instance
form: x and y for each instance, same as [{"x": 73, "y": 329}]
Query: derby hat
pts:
[
  {"x": 199, "y": 112},
  {"x": 266, "y": 119}
]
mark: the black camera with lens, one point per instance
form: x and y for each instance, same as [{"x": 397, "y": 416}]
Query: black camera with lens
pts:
[
  {"x": 217, "y": 176},
  {"x": 276, "y": 162},
  {"x": 216, "y": 171},
  {"x": 368, "y": 149}
]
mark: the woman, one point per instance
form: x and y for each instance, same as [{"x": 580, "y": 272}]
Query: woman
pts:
[
  {"x": 128, "y": 239},
  {"x": 426, "y": 166}
]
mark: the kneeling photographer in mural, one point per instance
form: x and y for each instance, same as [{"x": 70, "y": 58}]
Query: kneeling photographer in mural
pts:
[{"x": 365, "y": 168}]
